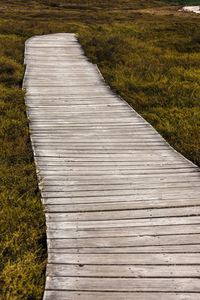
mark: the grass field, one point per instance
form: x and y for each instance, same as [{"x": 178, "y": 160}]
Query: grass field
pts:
[
  {"x": 183, "y": 2},
  {"x": 148, "y": 52}
]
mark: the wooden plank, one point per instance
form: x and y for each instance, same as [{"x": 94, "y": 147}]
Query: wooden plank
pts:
[
  {"x": 123, "y": 214},
  {"x": 130, "y": 271},
  {"x": 70, "y": 295},
  {"x": 189, "y": 248},
  {"x": 87, "y": 171},
  {"x": 60, "y": 186},
  {"x": 63, "y": 205},
  {"x": 122, "y": 192},
  {"x": 105, "y": 158},
  {"x": 92, "y": 148},
  {"x": 125, "y": 196},
  {"x": 126, "y": 259},
  {"x": 126, "y": 231},
  {"x": 124, "y": 223},
  {"x": 56, "y": 162},
  {"x": 120, "y": 179},
  {"x": 122, "y": 207},
  {"x": 102, "y": 111},
  {"x": 95, "y": 142},
  {"x": 124, "y": 284},
  {"x": 134, "y": 241}
]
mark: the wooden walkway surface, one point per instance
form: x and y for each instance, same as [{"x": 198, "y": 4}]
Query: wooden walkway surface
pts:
[{"x": 122, "y": 207}]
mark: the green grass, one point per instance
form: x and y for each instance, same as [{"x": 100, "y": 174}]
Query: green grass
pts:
[
  {"x": 152, "y": 60},
  {"x": 22, "y": 248},
  {"x": 157, "y": 70},
  {"x": 183, "y": 2}
]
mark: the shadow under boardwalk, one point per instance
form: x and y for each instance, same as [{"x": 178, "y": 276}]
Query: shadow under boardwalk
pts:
[{"x": 122, "y": 206}]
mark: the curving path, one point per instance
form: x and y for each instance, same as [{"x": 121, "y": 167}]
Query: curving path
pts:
[{"x": 122, "y": 207}]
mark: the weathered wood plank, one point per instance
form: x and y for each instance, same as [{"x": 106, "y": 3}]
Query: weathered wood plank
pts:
[
  {"x": 126, "y": 259},
  {"x": 123, "y": 214},
  {"x": 119, "y": 179},
  {"x": 124, "y": 284},
  {"x": 115, "y": 242},
  {"x": 50, "y": 189},
  {"x": 63, "y": 205},
  {"x": 120, "y": 232},
  {"x": 70, "y": 295},
  {"x": 58, "y": 270},
  {"x": 130, "y": 195},
  {"x": 122, "y": 207},
  {"x": 124, "y": 223},
  {"x": 191, "y": 248}
]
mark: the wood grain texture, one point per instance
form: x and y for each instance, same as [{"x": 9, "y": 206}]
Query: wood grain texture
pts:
[{"x": 122, "y": 207}]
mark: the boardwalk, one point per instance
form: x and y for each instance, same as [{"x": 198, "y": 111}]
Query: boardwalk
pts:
[{"x": 122, "y": 207}]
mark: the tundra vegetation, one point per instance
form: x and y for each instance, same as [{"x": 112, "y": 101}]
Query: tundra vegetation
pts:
[
  {"x": 148, "y": 52},
  {"x": 183, "y": 2}
]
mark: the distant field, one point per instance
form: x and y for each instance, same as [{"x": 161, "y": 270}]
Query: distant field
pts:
[
  {"x": 183, "y": 2},
  {"x": 149, "y": 54}
]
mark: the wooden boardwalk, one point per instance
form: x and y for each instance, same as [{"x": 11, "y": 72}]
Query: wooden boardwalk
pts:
[{"x": 122, "y": 207}]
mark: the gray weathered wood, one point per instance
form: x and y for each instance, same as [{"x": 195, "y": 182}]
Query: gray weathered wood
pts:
[
  {"x": 192, "y": 248},
  {"x": 139, "y": 241},
  {"x": 122, "y": 207},
  {"x": 126, "y": 231},
  {"x": 71, "y": 295},
  {"x": 124, "y": 284}
]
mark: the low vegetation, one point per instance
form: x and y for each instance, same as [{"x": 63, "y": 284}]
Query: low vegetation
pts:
[
  {"x": 183, "y": 2},
  {"x": 157, "y": 70},
  {"x": 151, "y": 60}
]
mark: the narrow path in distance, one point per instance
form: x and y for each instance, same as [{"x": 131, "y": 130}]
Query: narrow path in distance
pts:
[{"x": 122, "y": 207}]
